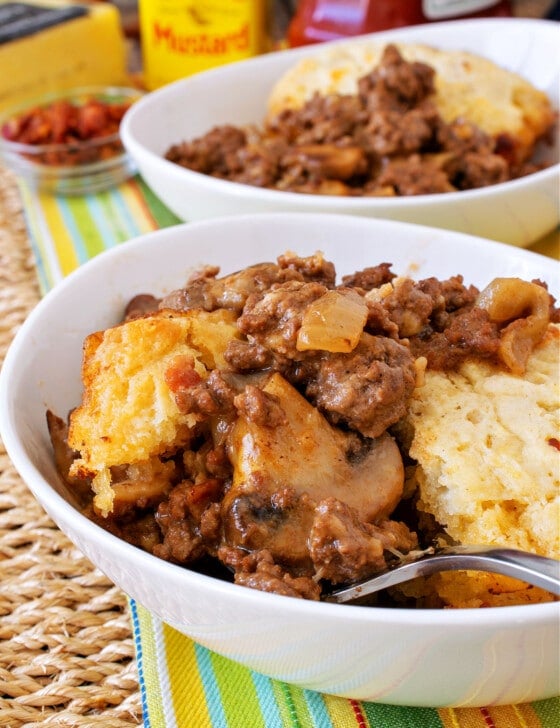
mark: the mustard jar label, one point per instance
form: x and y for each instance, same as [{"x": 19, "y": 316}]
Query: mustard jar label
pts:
[{"x": 182, "y": 38}]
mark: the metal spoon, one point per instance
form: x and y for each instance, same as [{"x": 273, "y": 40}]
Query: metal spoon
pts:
[{"x": 536, "y": 570}]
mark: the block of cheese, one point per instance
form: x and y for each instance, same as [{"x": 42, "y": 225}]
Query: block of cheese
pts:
[{"x": 54, "y": 45}]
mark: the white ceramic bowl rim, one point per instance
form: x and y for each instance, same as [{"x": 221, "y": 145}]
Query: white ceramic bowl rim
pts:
[{"x": 60, "y": 508}]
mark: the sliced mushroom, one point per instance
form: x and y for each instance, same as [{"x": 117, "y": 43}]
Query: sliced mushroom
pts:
[
  {"x": 282, "y": 473},
  {"x": 329, "y": 160}
]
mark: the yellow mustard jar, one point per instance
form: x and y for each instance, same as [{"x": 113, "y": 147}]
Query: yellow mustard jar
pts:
[{"x": 182, "y": 37}]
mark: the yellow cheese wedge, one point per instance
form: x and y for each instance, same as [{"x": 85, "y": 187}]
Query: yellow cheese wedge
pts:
[{"x": 54, "y": 45}]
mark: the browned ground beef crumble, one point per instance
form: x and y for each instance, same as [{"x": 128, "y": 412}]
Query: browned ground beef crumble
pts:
[{"x": 386, "y": 140}]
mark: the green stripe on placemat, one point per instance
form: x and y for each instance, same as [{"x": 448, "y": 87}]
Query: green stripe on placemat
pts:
[{"x": 161, "y": 214}]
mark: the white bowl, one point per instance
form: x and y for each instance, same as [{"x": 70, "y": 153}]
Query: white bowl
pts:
[
  {"x": 464, "y": 657},
  {"x": 517, "y": 212}
]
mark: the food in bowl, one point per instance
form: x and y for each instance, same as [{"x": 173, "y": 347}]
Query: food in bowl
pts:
[
  {"x": 263, "y": 420},
  {"x": 517, "y": 212},
  {"x": 467, "y": 86},
  {"x": 69, "y": 142},
  {"x": 61, "y": 127},
  {"x": 487, "y": 465},
  {"x": 388, "y": 121}
]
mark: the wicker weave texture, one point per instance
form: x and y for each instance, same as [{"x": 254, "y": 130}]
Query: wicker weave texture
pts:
[{"x": 66, "y": 649}]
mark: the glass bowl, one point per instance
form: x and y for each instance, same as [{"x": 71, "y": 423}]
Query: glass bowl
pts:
[{"x": 77, "y": 167}]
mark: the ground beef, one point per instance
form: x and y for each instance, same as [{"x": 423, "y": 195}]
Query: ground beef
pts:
[
  {"x": 409, "y": 307},
  {"x": 213, "y": 153},
  {"x": 246, "y": 356},
  {"x": 230, "y": 292},
  {"x": 258, "y": 571},
  {"x": 453, "y": 291},
  {"x": 379, "y": 322},
  {"x": 322, "y": 120},
  {"x": 387, "y": 139},
  {"x": 344, "y": 549},
  {"x": 141, "y": 305},
  {"x": 368, "y": 278},
  {"x": 367, "y": 389},
  {"x": 211, "y": 396},
  {"x": 313, "y": 268},
  {"x": 259, "y": 407},
  {"x": 411, "y": 175},
  {"x": 469, "y": 335},
  {"x": 274, "y": 319},
  {"x": 391, "y": 133},
  {"x": 396, "y": 84},
  {"x": 179, "y": 518},
  {"x": 440, "y": 320},
  {"x": 480, "y": 170}
]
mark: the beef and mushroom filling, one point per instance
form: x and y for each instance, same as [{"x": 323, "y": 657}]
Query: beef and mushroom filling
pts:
[
  {"x": 386, "y": 140},
  {"x": 289, "y": 473}
]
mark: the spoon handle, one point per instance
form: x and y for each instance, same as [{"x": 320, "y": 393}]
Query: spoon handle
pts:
[{"x": 531, "y": 568}]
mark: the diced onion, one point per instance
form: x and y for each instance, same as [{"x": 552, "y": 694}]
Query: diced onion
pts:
[
  {"x": 333, "y": 323},
  {"x": 526, "y": 306},
  {"x": 506, "y": 299}
]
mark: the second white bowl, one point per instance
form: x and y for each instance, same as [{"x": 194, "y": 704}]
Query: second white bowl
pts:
[{"x": 517, "y": 212}]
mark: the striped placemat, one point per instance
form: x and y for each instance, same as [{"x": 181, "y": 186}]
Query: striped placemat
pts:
[
  {"x": 184, "y": 685},
  {"x": 67, "y": 231}
]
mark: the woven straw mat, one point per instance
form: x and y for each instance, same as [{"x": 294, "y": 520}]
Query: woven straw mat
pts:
[{"x": 66, "y": 648}]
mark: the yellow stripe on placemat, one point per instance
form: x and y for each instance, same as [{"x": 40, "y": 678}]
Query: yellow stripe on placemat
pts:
[
  {"x": 54, "y": 247},
  {"x": 517, "y": 716},
  {"x": 506, "y": 716},
  {"x": 341, "y": 711},
  {"x": 146, "y": 657},
  {"x": 550, "y": 246},
  {"x": 63, "y": 242},
  {"x": 187, "y": 691}
]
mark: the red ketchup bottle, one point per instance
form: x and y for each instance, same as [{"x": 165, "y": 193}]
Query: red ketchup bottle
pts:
[{"x": 320, "y": 20}]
